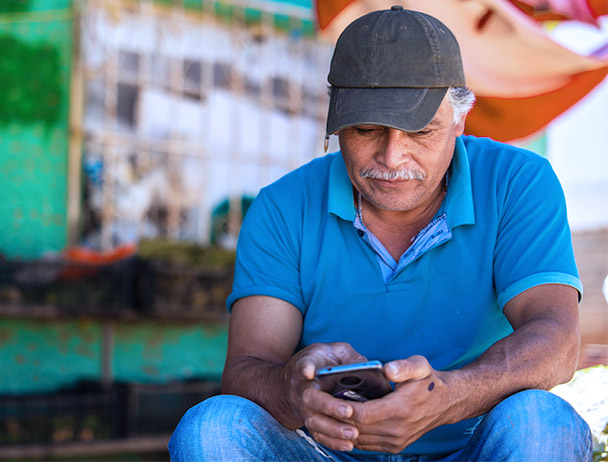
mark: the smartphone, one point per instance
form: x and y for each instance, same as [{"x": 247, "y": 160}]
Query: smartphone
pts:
[{"x": 354, "y": 382}]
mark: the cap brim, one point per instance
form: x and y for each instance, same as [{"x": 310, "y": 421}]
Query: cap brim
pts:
[{"x": 409, "y": 109}]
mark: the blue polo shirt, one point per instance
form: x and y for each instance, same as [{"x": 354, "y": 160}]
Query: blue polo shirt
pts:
[{"x": 501, "y": 229}]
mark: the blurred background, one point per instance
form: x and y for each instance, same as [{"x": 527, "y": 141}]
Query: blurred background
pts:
[{"x": 134, "y": 134}]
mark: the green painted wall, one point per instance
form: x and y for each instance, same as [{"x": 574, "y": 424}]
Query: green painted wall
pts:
[
  {"x": 40, "y": 356},
  {"x": 43, "y": 355},
  {"x": 157, "y": 352},
  {"x": 35, "y": 60}
]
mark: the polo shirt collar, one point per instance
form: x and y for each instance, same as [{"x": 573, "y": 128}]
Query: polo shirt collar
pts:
[
  {"x": 459, "y": 206},
  {"x": 340, "y": 198},
  {"x": 458, "y": 202}
]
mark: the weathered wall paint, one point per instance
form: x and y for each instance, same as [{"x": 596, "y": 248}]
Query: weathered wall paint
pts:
[
  {"x": 158, "y": 353},
  {"x": 33, "y": 186},
  {"x": 44, "y": 355}
]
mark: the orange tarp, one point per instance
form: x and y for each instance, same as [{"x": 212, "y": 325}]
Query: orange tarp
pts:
[{"x": 522, "y": 78}]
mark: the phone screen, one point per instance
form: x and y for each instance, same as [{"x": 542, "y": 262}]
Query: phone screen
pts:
[{"x": 354, "y": 382}]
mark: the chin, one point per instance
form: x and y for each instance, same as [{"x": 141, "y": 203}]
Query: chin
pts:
[{"x": 393, "y": 205}]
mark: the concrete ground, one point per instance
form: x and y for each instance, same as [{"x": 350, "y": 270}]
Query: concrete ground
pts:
[{"x": 591, "y": 250}]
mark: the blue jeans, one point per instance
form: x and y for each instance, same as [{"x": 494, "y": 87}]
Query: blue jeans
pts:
[{"x": 529, "y": 426}]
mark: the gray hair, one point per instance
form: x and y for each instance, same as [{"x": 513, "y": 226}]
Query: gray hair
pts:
[{"x": 461, "y": 99}]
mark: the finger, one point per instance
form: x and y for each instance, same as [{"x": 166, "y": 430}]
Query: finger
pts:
[
  {"x": 316, "y": 357},
  {"x": 308, "y": 368},
  {"x": 412, "y": 368},
  {"x": 336, "y": 444},
  {"x": 385, "y": 441},
  {"x": 377, "y": 444},
  {"x": 376, "y": 412},
  {"x": 329, "y": 354},
  {"x": 331, "y": 432},
  {"x": 324, "y": 403}
]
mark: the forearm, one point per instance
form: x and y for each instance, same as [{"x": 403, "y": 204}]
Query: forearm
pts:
[
  {"x": 262, "y": 339},
  {"x": 540, "y": 354},
  {"x": 264, "y": 383}
]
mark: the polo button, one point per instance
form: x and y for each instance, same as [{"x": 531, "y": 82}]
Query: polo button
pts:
[{"x": 361, "y": 233}]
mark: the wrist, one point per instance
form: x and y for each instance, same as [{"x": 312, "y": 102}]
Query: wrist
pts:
[
  {"x": 458, "y": 396},
  {"x": 287, "y": 398}
]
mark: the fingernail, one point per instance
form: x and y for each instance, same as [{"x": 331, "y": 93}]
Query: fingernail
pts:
[
  {"x": 393, "y": 369},
  {"x": 349, "y": 434},
  {"x": 308, "y": 371},
  {"x": 344, "y": 411}
]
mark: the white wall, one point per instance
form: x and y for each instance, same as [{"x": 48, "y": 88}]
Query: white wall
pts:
[
  {"x": 577, "y": 142},
  {"x": 577, "y": 145}
]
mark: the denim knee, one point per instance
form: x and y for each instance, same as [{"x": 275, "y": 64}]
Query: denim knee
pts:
[
  {"x": 546, "y": 410},
  {"x": 212, "y": 413},
  {"x": 535, "y": 424},
  {"x": 203, "y": 425}
]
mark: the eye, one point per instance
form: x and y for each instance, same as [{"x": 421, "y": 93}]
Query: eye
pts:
[
  {"x": 422, "y": 133},
  {"x": 368, "y": 130}
]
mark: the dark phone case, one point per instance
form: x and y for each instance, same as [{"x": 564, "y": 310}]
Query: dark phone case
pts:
[{"x": 359, "y": 384}]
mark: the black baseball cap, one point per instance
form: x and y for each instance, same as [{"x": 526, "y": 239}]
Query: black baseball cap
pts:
[{"x": 392, "y": 68}]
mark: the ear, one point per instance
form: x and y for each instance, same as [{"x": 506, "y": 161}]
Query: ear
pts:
[{"x": 459, "y": 126}]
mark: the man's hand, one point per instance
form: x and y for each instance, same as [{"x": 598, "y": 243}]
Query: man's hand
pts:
[
  {"x": 261, "y": 366},
  {"x": 325, "y": 417},
  {"x": 540, "y": 353},
  {"x": 417, "y": 405}
]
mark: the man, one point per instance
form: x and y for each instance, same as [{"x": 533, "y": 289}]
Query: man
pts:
[{"x": 446, "y": 257}]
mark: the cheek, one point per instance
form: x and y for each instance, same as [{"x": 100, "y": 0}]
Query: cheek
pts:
[
  {"x": 355, "y": 159},
  {"x": 352, "y": 168},
  {"x": 443, "y": 156}
]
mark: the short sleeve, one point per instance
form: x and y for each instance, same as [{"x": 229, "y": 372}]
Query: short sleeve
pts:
[
  {"x": 534, "y": 244},
  {"x": 267, "y": 261}
]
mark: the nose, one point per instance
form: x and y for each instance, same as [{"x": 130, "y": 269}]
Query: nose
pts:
[{"x": 395, "y": 151}]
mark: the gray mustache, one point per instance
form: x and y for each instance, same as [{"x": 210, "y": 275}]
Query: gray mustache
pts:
[{"x": 394, "y": 174}]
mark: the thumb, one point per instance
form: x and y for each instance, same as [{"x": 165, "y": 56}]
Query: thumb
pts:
[
  {"x": 344, "y": 353},
  {"x": 404, "y": 370},
  {"x": 308, "y": 370}
]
